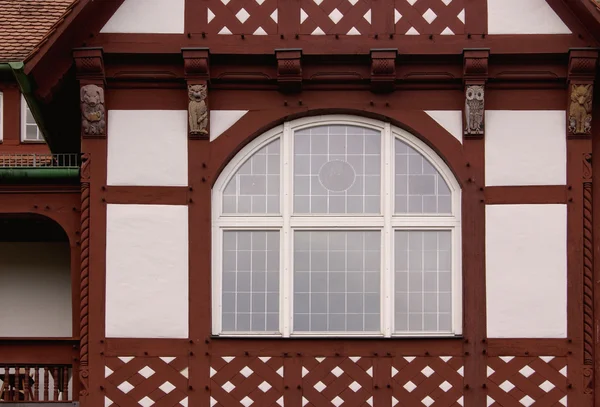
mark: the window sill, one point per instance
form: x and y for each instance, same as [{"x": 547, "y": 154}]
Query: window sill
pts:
[{"x": 338, "y": 337}]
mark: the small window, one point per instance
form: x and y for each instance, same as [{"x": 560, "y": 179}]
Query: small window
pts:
[
  {"x": 29, "y": 128},
  {"x": 336, "y": 226}
]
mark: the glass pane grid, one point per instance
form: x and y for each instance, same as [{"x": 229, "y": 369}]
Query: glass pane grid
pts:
[
  {"x": 255, "y": 187},
  {"x": 250, "y": 285},
  {"x": 337, "y": 170},
  {"x": 336, "y": 281},
  {"x": 419, "y": 187},
  {"x": 423, "y": 281}
]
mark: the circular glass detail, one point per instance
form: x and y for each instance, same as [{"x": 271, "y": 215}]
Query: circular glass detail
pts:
[{"x": 337, "y": 175}]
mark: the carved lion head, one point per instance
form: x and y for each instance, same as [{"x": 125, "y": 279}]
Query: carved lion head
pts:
[{"x": 197, "y": 92}]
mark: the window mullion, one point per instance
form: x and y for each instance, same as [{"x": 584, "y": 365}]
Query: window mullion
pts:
[
  {"x": 387, "y": 280},
  {"x": 287, "y": 248}
]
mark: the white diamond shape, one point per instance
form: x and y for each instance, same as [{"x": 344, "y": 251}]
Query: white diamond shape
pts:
[
  {"x": 490, "y": 371},
  {"x": 461, "y": 16},
  {"x": 228, "y": 387},
  {"x": 184, "y": 372},
  {"x": 303, "y": 16},
  {"x": 354, "y": 386},
  {"x": 242, "y": 15},
  {"x": 280, "y": 401},
  {"x": 280, "y": 371},
  {"x": 212, "y": 402},
  {"x": 409, "y": 358},
  {"x": 167, "y": 387},
  {"x": 461, "y": 371},
  {"x": 527, "y": 371},
  {"x": 547, "y": 359},
  {"x": 304, "y": 371},
  {"x": 394, "y": 371},
  {"x": 125, "y": 359},
  {"x": 546, "y": 386},
  {"x": 353, "y": 31},
  {"x": 227, "y": 359},
  {"x": 411, "y": 2},
  {"x": 264, "y": 387},
  {"x": 337, "y": 401},
  {"x": 107, "y": 372},
  {"x": 335, "y": 16},
  {"x": 527, "y": 401},
  {"x": 184, "y": 402},
  {"x": 146, "y": 402},
  {"x": 370, "y": 371},
  {"x": 337, "y": 371},
  {"x": 225, "y": 2},
  {"x": 318, "y": 31},
  {"x": 212, "y": 372},
  {"x": 247, "y": 401},
  {"x": 412, "y": 31},
  {"x": 397, "y": 16},
  {"x": 460, "y": 401},
  {"x": 167, "y": 359},
  {"x": 447, "y": 31},
  {"x": 409, "y": 386},
  {"x": 507, "y": 386},
  {"x": 563, "y": 401},
  {"x": 507, "y": 359},
  {"x": 367, "y": 16},
  {"x": 107, "y": 402},
  {"x": 429, "y": 15},
  {"x": 225, "y": 31},
  {"x": 304, "y": 401},
  {"x": 246, "y": 371},
  {"x": 445, "y": 386},
  {"x": 209, "y": 15},
  {"x": 265, "y": 359},
  {"x": 427, "y": 371},
  {"x": 259, "y": 31},
  {"x": 353, "y": 2},
  {"x": 490, "y": 401},
  {"x": 260, "y": 2},
  {"x": 274, "y": 16},
  {"x": 319, "y": 387},
  {"x": 125, "y": 387},
  {"x": 146, "y": 371},
  {"x": 394, "y": 401},
  {"x": 354, "y": 358},
  {"x": 446, "y": 2},
  {"x": 427, "y": 401},
  {"x": 446, "y": 358},
  {"x": 318, "y": 2},
  {"x": 370, "y": 401},
  {"x": 563, "y": 371}
]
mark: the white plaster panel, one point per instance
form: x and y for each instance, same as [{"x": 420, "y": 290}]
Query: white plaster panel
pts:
[
  {"x": 147, "y": 147},
  {"x": 526, "y": 271},
  {"x": 450, "y": 120},
  {"x": 35, "y": 288},
  {"x": 222, "y": 120},
  {"x": 523, "y": 17},
  {"x": 148, "y": 16},
  {"x": 525, "y": 147},
  {"x": 147, "y": 271}
]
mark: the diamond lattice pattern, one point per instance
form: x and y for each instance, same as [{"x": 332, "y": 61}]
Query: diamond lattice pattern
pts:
[
  {"x": 146, "y": 381},
  {"x": 427, "y": 381},
  {"x": 254, "y": 17},
  {"x": 527, "y": 381},
  {"x": 337, "y": 381},
  {"x": 414, "y": 17},
  {"x": 345, "y": 17},
  {"x": 246, "y": 381}
]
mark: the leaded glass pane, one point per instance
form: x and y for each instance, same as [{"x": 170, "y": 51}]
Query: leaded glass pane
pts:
[
  {"x": 419, "y": 186},
  {"x": 250, "y": 298},
  {"x": 337, "y": 170},
  {"x": 423, "y": 281},
  {"x": 337, "y": 281},
  {"x": 255, "y": 187}
]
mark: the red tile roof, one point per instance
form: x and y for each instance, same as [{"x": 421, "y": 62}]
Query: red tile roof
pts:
[{"x": 24, "y": 23}]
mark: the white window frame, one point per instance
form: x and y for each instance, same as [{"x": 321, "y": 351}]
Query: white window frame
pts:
[
  {"x": 40, "y": 136},
  {"x": 385, "y": 222}
]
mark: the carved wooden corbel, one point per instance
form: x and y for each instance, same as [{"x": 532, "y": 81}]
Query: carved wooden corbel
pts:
[
  {"x": 89, "y": 65},
  {"x": 582, "y": 70},
  {"x": 289, "y": 70},
  {"x": 383, "y": 69},
  {"x": 475, "y": 73},
  {"x": 197, "y": 74}
]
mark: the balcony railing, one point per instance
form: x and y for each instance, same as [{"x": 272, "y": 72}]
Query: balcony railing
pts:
[
  {"x": 33, "y": 383},
  {"x": 39, "y": 160}
]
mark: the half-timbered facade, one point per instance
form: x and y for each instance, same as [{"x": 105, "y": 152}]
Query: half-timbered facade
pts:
[{"x": 301, "y": 203}]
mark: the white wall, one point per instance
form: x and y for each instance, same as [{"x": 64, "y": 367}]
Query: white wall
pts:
[
  {"x": 526, "y": 271},
  {"x": 148, "y": 16},
  {"x": 450, "y": 120},
  {"x": 525, "y": 147},
  {"x": 35, "y": 290},
  {"x": 147, "y": 271},
  {"x": 222, "y": 120},
  {"x": 147, "y": 147},
  {"x": 523, "y": 17}
]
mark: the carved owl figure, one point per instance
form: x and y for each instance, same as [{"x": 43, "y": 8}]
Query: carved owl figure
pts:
[
  {"x": 474, "y": 109},
  {"x": 197, "y": 110}
]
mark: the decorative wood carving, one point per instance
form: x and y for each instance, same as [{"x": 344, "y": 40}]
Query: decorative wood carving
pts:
[
  {"x": 89, "y": 64},
  {"x": 93, "y": 115},
  {"x": 582, "y": 70},
  {"x": 289, "y": 70},
  {"x": 84, "y": 275},
  {"x": 588, "y": 276},
  {"x": 197, "y": 74},
  {"x": 475, "y": 72},
  {"x": 383, "y": 69}
]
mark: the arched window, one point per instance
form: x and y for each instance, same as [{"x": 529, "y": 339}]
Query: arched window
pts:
[{"x": 336, "y": 226}]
